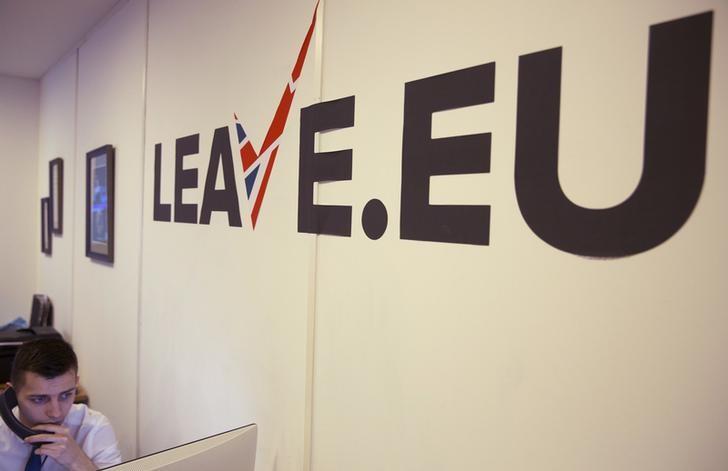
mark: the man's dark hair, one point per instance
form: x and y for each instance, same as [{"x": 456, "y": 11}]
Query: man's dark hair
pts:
[{"x": 48, "y": 358}]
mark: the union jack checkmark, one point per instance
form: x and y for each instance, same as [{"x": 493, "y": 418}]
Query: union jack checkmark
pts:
[{"x": 257, "y": 166}]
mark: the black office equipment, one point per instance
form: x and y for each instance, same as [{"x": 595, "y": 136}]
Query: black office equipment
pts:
[
  {"x": 41, "y": 311},
  {"x": 10, "y": 341},
  {"x": 41, "y": 322}
]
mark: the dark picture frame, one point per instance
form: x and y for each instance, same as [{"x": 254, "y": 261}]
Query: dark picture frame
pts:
[
  {"x": 100, "y": 204},
  {"x": 46, "y": 241},
  {"x": 55, "y": 177}
]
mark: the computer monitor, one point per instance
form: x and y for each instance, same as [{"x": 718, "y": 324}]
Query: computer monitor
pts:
[{"x": 234, "y": 449}]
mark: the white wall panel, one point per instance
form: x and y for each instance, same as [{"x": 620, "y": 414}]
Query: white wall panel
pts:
[
  {"x": 225, "y": 309},
  {"x": 105, "y": 298},
  {"x": 515, "y": 355},
  {"x": 57, "y": 139},
  {"x": 19, "y": 195}
]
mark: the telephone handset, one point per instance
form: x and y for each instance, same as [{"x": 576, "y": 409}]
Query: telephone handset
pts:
[{"x": 8, "y": 400}]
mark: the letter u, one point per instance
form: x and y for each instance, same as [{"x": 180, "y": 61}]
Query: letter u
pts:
[{"x": 676, "y": 120}]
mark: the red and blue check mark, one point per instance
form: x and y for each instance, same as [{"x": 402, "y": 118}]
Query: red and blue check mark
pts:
[{"x": 257, "y": 166}]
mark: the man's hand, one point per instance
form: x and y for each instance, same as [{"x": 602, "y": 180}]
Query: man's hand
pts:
[{"x": 61, "y": 447}]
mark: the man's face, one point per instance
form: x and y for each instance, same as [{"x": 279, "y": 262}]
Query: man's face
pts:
[{"x": 46, "y": 401}]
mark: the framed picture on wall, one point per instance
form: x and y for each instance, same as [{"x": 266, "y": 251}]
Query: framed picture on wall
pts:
[
  {"x": 55, "y": 172},
  {"x": 45, "y": 225},
  {"x": 100, "y": 204}
]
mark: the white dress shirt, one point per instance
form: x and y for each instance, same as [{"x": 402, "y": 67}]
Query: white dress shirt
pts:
[{"x": 91, "y": 430}]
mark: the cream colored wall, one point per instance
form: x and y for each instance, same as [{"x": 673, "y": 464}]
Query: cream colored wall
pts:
[
  {"x": 19, "y": 194},
  {"x": 392, "y": 354}
]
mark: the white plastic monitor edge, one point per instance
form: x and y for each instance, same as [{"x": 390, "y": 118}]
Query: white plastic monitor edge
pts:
[{"x": 234, "y": 449}]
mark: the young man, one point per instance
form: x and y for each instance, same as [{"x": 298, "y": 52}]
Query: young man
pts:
[{"x": 45, "y": 377}]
